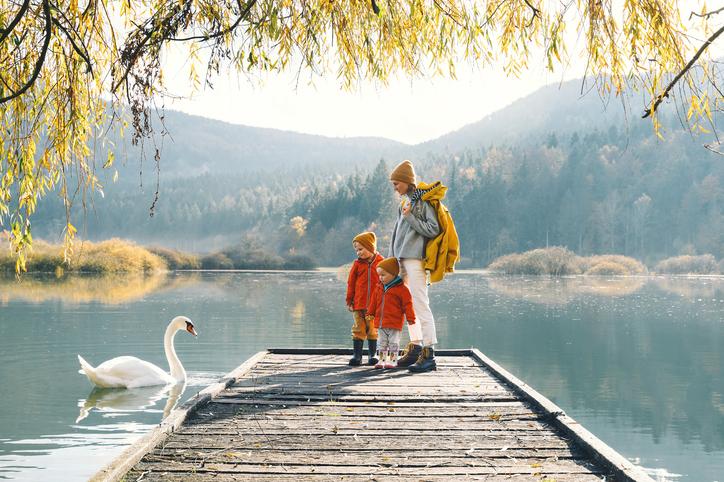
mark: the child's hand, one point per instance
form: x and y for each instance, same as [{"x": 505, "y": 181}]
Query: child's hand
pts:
[
  {"x": 369, "y": 317},
  {"x": 410, "y": 322},
  {"x": 350, "y": 307}
]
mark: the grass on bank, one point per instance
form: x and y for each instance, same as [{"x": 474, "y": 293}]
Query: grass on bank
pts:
[
  {"x": 110, "y": 256},
  {"x": 703, "y": 264},
  {"x": 122, "y": 256},
  {"x": 559, "y": 261}
]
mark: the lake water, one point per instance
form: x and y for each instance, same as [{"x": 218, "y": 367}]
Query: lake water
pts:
[{"x": 638, "y": 361}]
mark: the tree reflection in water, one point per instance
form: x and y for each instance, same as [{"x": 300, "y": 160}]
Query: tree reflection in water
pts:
[{"x": 113, "y": 288}]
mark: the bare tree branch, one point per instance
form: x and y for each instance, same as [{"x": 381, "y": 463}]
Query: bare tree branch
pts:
[
  {"x": 707, "y": 14},
  {"x": 660, "y": 98},
  {"x": 41, "y": 58}
]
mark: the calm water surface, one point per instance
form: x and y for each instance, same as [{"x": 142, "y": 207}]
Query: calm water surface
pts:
[{"x": 639, "y": 362}]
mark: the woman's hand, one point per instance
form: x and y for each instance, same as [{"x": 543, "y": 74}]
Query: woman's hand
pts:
[{"x": 406, "y": 208}]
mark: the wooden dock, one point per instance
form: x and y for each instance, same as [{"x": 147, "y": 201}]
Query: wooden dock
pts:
[{"x": 305, "y": 415}]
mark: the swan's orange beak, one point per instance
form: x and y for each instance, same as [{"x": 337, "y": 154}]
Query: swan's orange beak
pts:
[{"x": 191, "y": 330}]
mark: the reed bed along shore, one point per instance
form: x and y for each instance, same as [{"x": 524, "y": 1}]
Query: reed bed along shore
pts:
[
  {"x": 560, "y": 261},
  {"x": 123, "y": 256}
]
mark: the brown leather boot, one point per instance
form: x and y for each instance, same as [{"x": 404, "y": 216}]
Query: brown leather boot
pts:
[
  {"x": 425, "y": 362},
  {"x": 409, "y": 355}
]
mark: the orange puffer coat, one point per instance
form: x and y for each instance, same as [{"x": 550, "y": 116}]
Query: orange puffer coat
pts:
[
  {"x": 362, "y": 282},
  {"x": 391, "y": 307}
]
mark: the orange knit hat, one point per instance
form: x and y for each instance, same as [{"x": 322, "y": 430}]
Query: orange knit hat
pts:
[
  {"x": 404, "y": 172},
  {"x": 391, "y": 265},
  {"x": 368, "y": 240}
]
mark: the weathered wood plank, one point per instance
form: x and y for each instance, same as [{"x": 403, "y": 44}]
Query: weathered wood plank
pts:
[
  {"x": 361, "y": 440},
  {"x": 413, "y": 413},
  {"x": 366, "y": 390},
  {"x": 361, "y": 457},
  {"x": 322, "y": 424},
  {"x": 216, "y": 477},
  {"x": 285, "y": 403},
  {"x": 538, "y": 468}
]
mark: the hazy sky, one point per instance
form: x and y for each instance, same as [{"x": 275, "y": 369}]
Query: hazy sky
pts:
[
  {"x": 407, "y": 110},
  {"x": 410, "y": 111}
]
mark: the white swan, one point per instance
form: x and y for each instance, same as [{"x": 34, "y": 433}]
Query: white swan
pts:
[{"x": 131, "y": 372}]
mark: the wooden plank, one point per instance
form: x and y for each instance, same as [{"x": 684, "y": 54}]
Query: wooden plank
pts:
[
  {"x": 452, "y": 404},
  {"x": 361, "y": 457},
  {"x": 382, "y": 381},
  {"x": 309, "y": 425},
  {"x": 412, "y": 414},
  {"x": 368, "y": 390},
  {"x": 215, "y": 477},
  {"x": 465, "y": 352},
  {"x": 537, "y": 469},
  {"x": 361, "y": 440}
]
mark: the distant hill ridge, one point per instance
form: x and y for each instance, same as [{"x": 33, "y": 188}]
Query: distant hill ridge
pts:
[{"x": 198, "y": 145}]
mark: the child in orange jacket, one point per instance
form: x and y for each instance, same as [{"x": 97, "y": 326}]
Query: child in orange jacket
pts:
[
  {"x": 362, "y": 282},
  {"x": 390, "y": 305}
]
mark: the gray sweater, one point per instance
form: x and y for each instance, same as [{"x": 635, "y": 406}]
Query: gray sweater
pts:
[{"x": 412, "y": 231}]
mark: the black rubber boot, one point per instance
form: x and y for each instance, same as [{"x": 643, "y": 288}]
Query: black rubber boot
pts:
[
  {"x": 410, "y": 356},
  {"x": 372, "y": 355},
  {"x": 426, "y": 361},
  {"x": 356, "y": 359}
]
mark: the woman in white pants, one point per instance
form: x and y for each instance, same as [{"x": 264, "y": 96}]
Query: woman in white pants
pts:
[{"x": 416, "y": 224}]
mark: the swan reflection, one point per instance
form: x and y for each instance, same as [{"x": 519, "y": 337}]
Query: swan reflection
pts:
[{"x": 112, "y": 400}]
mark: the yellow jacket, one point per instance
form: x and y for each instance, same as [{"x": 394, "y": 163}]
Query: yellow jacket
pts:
[{"x": 443, "y": 251}]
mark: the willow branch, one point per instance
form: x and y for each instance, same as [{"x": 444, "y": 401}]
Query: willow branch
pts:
[
  {"x": 15, "y": 21},
  {"x": 660, "y": 98},
  {"x": 244, "y": 11},
  {"x": 82, "y": 53},
  {"x": 41, "y": 59}
]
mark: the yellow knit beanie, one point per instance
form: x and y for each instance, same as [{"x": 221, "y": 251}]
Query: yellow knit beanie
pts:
[
  {"x": 368, "y": 240},
  {"x": 404, "y": 172},
  {"x": 391, "y": 265}
]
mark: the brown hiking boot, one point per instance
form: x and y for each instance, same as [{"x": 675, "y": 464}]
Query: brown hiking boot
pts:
[
  {"x": 409, "y": 355},
  {"x": 426, "y": 361}
]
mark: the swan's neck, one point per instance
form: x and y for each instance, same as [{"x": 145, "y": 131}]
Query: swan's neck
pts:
[{"x": 174, "y": 364}]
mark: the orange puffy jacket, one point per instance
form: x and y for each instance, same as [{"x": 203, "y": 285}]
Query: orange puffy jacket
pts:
[
  {"x": 362, "y": 282},
  {"x": 391, "y": 307}
]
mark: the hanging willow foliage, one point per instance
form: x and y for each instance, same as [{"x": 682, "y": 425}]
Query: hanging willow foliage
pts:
[{"x": 68, "y": 68}]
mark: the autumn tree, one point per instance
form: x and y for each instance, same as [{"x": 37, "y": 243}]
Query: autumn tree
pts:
[{"x": 72, "y": 70}]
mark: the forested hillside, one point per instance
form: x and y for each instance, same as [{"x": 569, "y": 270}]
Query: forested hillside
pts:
[{"x": 548, "y": 170}]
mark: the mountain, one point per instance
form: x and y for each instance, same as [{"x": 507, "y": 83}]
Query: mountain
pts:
[
  {"x": 197, "y": 145},
  {"x": 557, "y": 107}
]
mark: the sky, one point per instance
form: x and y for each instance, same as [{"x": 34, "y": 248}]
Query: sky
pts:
[{"x": 409, "y": 111}]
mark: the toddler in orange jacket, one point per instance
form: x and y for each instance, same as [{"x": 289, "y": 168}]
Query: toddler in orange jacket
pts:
[
  {"x": 362, "y": 282},
  {"x": 390, "y": 305}
]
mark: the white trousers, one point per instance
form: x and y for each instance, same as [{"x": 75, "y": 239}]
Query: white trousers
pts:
[{"x": 413, "y": 272}]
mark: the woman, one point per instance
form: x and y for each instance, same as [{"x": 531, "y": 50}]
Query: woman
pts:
[{"x": 416, "y": 224}]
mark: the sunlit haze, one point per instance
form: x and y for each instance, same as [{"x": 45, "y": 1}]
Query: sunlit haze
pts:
[{"x": 406, "y": 110}]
